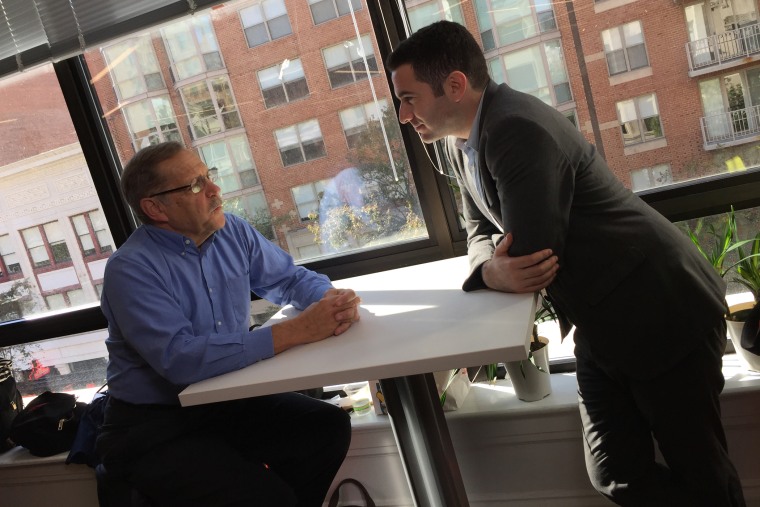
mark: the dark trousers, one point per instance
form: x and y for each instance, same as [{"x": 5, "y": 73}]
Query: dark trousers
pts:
[
  {"x": 280, "y": 451},
  {"x": 681, "y": 410}
]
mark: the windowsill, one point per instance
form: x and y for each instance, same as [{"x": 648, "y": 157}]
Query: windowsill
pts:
[
  {"x": 655, "y": 144},
  {"x": 632, "y": 75},
  {"x": 499, "y": 400}
]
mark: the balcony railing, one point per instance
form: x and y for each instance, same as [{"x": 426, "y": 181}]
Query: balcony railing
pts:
[
  {"x": 731, "y": 128},
  {"x": 723, "y": 48}
]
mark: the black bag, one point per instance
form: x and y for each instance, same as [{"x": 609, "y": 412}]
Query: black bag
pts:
[
  {"x": 336, "y": 494},
  {"x": 48, "y": 425},
  {"x": 10, "y": 403}
]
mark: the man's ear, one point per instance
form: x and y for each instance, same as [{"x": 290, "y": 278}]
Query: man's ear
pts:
[
  {"x": 153, "y": 208},
  {"x": 455, "y": 85}
]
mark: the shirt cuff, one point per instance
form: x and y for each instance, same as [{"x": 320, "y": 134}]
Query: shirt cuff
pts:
[{"x": 259, "y": 345}]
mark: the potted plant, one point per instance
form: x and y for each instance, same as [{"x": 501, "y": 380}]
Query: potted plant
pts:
[
  {"x": 722, "y": 243},
  {"x": 530, "y": 377},
  {"x": 742, "y": 319}
]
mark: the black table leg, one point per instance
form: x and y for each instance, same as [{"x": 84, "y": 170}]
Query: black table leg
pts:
[{"x": 424, "y": 441}]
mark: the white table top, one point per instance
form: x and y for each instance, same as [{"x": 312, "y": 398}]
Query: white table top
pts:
[{"x": 413, "y": 320}]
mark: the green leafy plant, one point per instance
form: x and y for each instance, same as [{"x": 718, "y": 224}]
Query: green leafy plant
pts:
[
  {"x": 720, "y": 242},
  {"x": 748, "y": 272}
]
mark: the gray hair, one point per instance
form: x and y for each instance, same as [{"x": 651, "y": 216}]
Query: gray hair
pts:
[{"x": 141, "y": 175}]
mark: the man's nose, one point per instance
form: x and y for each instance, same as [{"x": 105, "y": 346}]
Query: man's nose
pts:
[{"x": 405, "y": 115}]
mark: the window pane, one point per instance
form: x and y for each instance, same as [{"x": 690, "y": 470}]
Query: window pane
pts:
[
  {"x": 50, "y": 192},
  {"x": 226, "y": 113}
]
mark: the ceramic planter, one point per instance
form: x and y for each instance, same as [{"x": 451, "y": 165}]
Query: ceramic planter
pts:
[
  {"x": 748, "y": 360},
  {"x": 530, "y": 383}
]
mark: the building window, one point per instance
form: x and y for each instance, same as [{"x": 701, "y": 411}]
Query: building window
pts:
[
  {"x": 429, "y": 12},
  {"x": 306, "y": 198},
  {"x": 345, "y": 61},
  {"x": 192, "y": 47},
  {"x": 301, "y": 142},
  {"x": 152, "y": 121},
  {"x": 94, "y": 239},
  {"x": 65, "y": 299},
  {"x": 325, "y": 10},
  {"x": 731, "y": 103},
  {"x": 253, "y": 208},
  {"x": 265, "y": 21},
  {"x": 355, "y": 120},
  {"x": 504, "y": 22},
  {"x": 650, "y": 177},
  {"x": 234, "y": 164},
  {"x": 134, "y": 68},
  {"x": 624, "y": 48},
  {"x": 10, "y": 266},
  {"x": 283, "y": 83},
  {"x": 639, "y": 119},
  {"x": 538, "y": 70},
  {"x": 210, "y": 107},
  {"x": 46, "y": 245}
]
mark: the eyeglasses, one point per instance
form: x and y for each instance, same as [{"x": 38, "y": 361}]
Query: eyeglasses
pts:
[{"x": 195, "y": 186}]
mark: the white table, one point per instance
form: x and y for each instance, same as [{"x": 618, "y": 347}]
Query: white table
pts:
[{"x": 415, "y": 320}]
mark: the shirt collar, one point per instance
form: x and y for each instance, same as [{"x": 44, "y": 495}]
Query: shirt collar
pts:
[
  {"x": 472, "y": 142},
  {"x": 175, "y": 241}
]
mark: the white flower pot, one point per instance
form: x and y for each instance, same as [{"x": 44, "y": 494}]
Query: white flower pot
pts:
[
  {"x": 530, "y": 383},
  {"x": 748, "y": 360}
]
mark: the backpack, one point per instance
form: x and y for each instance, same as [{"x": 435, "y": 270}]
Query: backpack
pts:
[{"x": 10, "y": 403}]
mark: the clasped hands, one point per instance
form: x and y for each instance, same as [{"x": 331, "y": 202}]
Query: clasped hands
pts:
[
  {"x": 330, "y": 316},
  {"x": 527, "y": 273}
]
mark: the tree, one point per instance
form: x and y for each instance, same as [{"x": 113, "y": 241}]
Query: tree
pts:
[
  {"x": 16, "y": 301},
  {"x": 389, "y": 208}
]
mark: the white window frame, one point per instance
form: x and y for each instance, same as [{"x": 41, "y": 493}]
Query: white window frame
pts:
[
  {"x": 624, "y": 111},
  {"x": 618, "y": 35},
  {"x": 133, "y": 58},
  {"x": 487, "y": 13},
  {"x": 371, "y": 111},
  {"x": 190, "y": 27},
  {"x": 288, "y": 72},
  {"x": 299, "y": 130},
  {"x": 365, "y": 52},
  {"x": 219, "y": 115},
  {"x": 266, "y": 13},
  {"x": 336, "y": 9}
]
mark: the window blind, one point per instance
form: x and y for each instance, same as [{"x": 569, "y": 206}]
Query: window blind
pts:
[{"x": 36, "y": 31}]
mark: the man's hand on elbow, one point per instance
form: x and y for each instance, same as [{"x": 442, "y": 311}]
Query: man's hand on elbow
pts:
[{"x": 527, "y": 273}]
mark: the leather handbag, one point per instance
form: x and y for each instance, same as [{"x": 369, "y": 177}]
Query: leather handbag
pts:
[{"x": 368, "y": 502}]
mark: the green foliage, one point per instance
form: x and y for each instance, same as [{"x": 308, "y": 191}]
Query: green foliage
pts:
[
  {"x": 390, "y": 209},
  {"x": 748, "y": 267},
  {"x": 719, "y": 242}
]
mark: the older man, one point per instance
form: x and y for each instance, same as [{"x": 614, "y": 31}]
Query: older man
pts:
[{"x": 177, "y": 299}]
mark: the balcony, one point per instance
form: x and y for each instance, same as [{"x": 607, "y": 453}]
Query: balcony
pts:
[
  {"x": 731, "y": 128},
  {"x": 723, "y": 51}
]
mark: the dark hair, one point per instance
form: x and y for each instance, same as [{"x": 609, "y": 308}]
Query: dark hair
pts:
[
  {"x": 141, "y": 175},
  {"x": 437, "y": 50}
]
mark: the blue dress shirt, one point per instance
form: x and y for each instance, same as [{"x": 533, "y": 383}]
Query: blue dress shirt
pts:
[{"x": 178, "y": 314}]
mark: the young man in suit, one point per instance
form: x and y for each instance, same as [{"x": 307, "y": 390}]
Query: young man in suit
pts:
[{"x": 543, "y": 210}]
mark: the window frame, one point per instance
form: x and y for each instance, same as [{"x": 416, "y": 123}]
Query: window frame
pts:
[
  {"x": 265, "y": 22},
  {"x": 679, "y": 201},
  {"x": 625, "y": 49}
]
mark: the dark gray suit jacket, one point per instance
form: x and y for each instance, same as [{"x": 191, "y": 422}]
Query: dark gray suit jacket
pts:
[{"x": 637, "y": 290}]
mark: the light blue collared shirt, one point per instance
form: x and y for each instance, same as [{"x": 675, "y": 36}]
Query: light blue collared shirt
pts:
[
  {"x": 178, "y": 314},
  {"x": 469, "y": 148}
]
